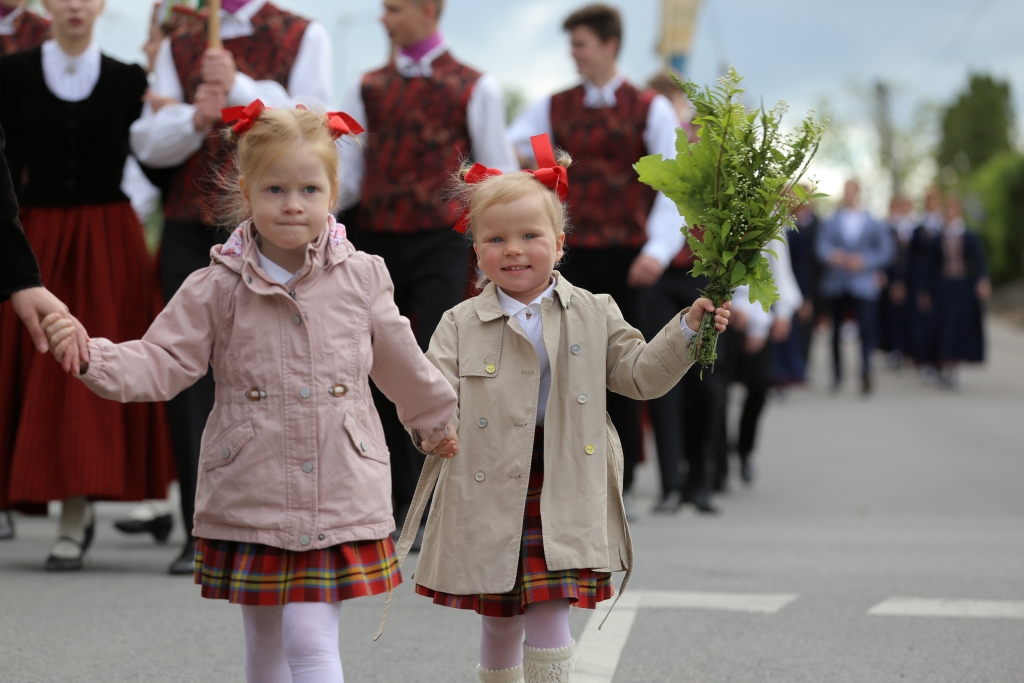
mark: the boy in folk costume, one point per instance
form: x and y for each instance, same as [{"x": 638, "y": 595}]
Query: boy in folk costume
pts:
[
  {"x": 20, "y": 29},
  {"x": 269, "y": 54},
  {"x": 424, "y": 112},
  {"x": 625, "y": 234}
]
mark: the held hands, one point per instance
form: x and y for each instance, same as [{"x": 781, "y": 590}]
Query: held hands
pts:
[
  {"x": 38, "y": 303},
  {"x": 696, "y": 312},
  {"x": 447, "y": 447},
  {"x": 62, "y": 336}
]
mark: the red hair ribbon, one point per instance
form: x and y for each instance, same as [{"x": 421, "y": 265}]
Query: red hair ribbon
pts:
[
  {"x": 476, "y": 174},
  {"x": 245, "y": 117},
  {"x": 341, "y": 123},
  {"x": 548, "y": 171}
]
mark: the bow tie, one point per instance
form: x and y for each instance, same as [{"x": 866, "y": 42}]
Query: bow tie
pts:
[{"x": 410, "y": 68}]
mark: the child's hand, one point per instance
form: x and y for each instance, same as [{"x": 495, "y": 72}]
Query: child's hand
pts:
[
  {"x": 61, "y": 335},
  {"x": 447, "y": 447},
  {"x": 696, "y": 312}
]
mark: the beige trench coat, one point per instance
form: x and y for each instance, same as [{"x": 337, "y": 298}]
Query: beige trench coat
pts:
[{"x": 473, "y": 534}]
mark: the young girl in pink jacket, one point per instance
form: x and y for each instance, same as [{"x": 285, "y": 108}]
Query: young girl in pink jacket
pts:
[{"x": 293, "y": 505}]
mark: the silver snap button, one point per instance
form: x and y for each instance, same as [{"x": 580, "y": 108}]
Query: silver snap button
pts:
[
  {"x": 304, "y": 392},
  {"x": 575, "y": 349},
  {"x": 479, "y": 476},
  {"x": 482, "y": 422},
  {"x": 303, "y": 539},
  {"x": 307, "y": 467},
  {"x": 248, "y": 279},
  {"x": 297, "y": 319},
  {"x": 582, "y": 398},
  {"x": 320, "y": 537},
  {"x": 226, "y": 453},
  {"x": 362, "y": 444}
]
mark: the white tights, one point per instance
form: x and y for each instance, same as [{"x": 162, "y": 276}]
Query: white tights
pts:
[
  {"x": 545, "y": 625},
  {"x": 293, "y": 643}
]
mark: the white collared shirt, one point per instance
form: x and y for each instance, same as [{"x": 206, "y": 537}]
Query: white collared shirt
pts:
[
  {"x": 664, "y": 237},
  {"x": 168, "y": 137},
  {"x": 71, "y": 79},
  {"x": 852, "y": 223},
  {"x": 530, "y": 319},
  {"x": 485, "y": 119},
  {"x": 274, "y": 271},
  {"x": 7, "y": 23}
]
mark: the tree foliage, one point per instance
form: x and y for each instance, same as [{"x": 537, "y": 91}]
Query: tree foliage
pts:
[{"x": 978, "y": 126}]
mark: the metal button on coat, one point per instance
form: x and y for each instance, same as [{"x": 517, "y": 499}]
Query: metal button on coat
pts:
[
  {"x": 307, "y": 467},
  {"x": 320, "y": 537},
  {"x": 362, "y": 444},
  {"x": 480, "y": 476},
  {"x": 482, "y": 422},
  {"x": 226, "y": 453},
  {"x": 582, "y": 398},
  {"x": 297, "y": 319},
  {"x": 590, "y": 449},
  {"x": 304, "y": 392},
  {"x": 248, "y": 279},
  {"x": 303, "y": 539},
  {"x": 491, "y": 368},
  {"x": 575, "y": 349}
]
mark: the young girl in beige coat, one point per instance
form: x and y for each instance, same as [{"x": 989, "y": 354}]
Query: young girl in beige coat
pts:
[
  {"x": 293, "y": 506},
  {"x": 528, "y": 519}
]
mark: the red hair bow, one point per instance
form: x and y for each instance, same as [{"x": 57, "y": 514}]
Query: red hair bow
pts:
[
  {"x": 245, "y": 117},
  {"x": 341, "y": 123},
  {"x": 549, "y": 172},
  {"x": 477, "y": 173}
]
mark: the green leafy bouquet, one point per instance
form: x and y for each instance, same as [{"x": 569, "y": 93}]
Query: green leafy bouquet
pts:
[{"x": 736, "y": 187}]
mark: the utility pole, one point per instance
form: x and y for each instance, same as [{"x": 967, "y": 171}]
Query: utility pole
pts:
[{"x": 886, "y": 136}]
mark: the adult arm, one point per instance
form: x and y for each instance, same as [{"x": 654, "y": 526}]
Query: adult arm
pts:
[
  {"x": 18, "y": 266},
  {"x": 664, "y": 237},
  {"x": 535, "y": 120},
  {"x": 352, "y": 163},
  {"x": 311, "y": 79},
  {"x": 485, "y": 118},
  {"x": 790, "y": 297}
]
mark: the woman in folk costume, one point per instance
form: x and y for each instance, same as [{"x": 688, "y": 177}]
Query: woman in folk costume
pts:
[
  {"x": 67, "y": 110},
  {"x": 20, "y": 29},
  {"x": 528, "y": 517}
]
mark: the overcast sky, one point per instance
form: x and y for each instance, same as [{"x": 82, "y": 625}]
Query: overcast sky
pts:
[{"x": 797, "y": 50}]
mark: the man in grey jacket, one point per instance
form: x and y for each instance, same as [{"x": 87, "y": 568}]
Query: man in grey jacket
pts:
[{"x": 854, "y": 249}]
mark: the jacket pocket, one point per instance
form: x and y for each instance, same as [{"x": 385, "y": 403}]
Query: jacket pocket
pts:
[
  {"x": 480, "y": 354},
  {"x": 224, "y": 449},
  {"x": 365, "y": 445}
]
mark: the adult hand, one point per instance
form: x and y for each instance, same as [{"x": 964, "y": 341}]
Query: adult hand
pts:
[
  {"x": 218, "y": 68},
  {"x": 984, "y": 289},
  {"x": 157, "y": 102},
  {"x": 806, "y": 312},
  {"x": 645, "y": 271},
  {"x": 898, "y": 293},
  {"x": 780, "y": 329},
  {"x": 753, "y": 345},
  {"x": 838, "y": 258},
  {"x": 209, "y": 100},
  {"x": 854, "y": 263},
  {"x": 447, "y": 447},
  {"x": 700, "y": 306},
  {"x": 34, "y": 304}
]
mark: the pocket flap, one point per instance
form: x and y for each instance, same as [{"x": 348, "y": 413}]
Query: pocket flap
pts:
[
  {"x": 365, "y": 445},
  {"x": 480, "y": 356},
  {"x": 226, "y": 446}
]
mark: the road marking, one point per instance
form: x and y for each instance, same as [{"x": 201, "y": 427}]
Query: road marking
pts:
[
  {"x": 598, "y": 651},
  {"x": 928, "y": 607}
]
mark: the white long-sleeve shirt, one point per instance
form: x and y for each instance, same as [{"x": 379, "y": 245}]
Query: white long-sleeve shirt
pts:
[
  {"x": 664, "y": 238},
  {"x": 790, "y": 297},
  {"x": 485, "y": 119},
  {"x": 168, "y": 137}
]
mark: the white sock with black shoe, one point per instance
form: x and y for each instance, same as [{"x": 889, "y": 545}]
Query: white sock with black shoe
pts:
[{"x": 75, "y": 516}]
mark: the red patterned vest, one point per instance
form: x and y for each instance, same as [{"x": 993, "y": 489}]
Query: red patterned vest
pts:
[
  {"x": 418, "y": 136},
  {"x": 30, "y": 30},
  {"x": 607, "y": 203},
  {"x": 267, "y": 55}
]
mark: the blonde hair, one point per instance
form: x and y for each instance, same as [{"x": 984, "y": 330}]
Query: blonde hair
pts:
[{"x": 273, "y": 132}]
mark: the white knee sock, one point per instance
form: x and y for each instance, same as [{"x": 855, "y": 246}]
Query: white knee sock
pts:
[
  {"x": 310, "y": 634},
  {"x": 265, "y": 661},
  {"x": 501, "y": 643},
  {"x": 547, "y": 624},
  {"x": 75, "y": 516}
]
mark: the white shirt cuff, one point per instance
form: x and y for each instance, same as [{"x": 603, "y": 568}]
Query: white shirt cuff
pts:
[{"x": 687, "y": 332}]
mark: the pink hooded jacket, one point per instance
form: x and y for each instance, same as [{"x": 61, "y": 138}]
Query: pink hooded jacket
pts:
[{"x": 293, "y": 454}]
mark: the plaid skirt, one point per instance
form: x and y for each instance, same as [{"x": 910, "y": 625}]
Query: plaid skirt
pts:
[
  {"x": 534, "y": 581},
  {"x": 261, "y": 575}
]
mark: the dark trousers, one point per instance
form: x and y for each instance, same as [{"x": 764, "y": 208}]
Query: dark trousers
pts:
[
  {"x": 185, "y": 248},
  {"x": 754, "y": 372},
  {"x": 865, "y": 311},
  {"x": 429, "y": 271},
  {"x": 604, "y": 271}
]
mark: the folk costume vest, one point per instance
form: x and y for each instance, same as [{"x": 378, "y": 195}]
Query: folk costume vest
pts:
[
  {"x": 267, "y": 55},
  {"x": 608, "y": 205},
  {"x": 30, "y": 30},
  {"x": 418, "y": 137}
]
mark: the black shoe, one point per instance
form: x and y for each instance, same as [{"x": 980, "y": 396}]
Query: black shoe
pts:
[
  {"x": 746, "y": 469},
  {"x": 185, "y": 565},
  {"x": 702, "y": 501},
  {"x": 67, "y": 564},
  {"x": 159, "y": 526},
  {"x": 669, "y": 504},
  {"x": 6, "y": 525}
]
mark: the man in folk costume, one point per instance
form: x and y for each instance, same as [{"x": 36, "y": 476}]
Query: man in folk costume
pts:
[
  {"x": 424, "y": 113},
  {"x": 624, "y": 234},
  {"x": 268, "y": 54},
  {"x": 20, "y": 29}
]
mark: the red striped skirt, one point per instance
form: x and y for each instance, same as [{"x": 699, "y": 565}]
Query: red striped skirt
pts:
[
  {"x": 534, "y": 581},
  {"x": 57, "y": 438},
  {"x": 261, "y": 575}
]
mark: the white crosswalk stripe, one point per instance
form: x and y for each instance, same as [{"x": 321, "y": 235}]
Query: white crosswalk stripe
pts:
[{"x": 931, "y": 607}]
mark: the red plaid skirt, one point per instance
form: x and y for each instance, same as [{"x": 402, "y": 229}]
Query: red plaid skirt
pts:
[
  {"x": 534, "y": 581},
  {"x": 257, "y": 574},
  {"x": 57, "y": 438}
]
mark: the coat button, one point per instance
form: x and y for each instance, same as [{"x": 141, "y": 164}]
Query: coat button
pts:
[
  {"x": 491, "y": 368},
  {"x": 304, "y": 392},
  {"x": 575, "y": 349},
  {"x": 320, "y": 537},
  {"x": 303, "y": 539},
  {"x": 226, "y": 453},
  {"x": 307, "y": 467},
  {"x": 248, "y": 279},
  {"x": 297, "y": 319},
  {"x": 338, "y": 390},
  {"x": 582, "y": 398},
  {"x": 482, "y": 422},
  {"x": 480, "y": 476},
  {"x": 590, "y": 449},
  {"x": 362, "y": 444}
]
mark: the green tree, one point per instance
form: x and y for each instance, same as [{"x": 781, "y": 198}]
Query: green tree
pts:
[{"x": 978, "y": 126}]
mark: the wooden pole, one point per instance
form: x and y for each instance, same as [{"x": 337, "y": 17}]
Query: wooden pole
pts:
[{"x": 213, "y": 24}]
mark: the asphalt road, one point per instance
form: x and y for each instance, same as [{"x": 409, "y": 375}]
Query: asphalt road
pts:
[{"x": 913, "y": 493}]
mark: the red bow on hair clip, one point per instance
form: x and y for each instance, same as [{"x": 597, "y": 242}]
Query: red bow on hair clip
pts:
[
  {"x": 476, "y": 174},
  {"x": 245, "y": 117},
  {"x": 341, "y": 123},
  {"x": 548, "y": 171}
]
